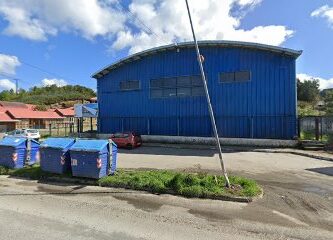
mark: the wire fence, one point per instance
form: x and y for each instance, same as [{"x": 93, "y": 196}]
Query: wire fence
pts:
[
  {"x": 66, "y": 129},
  {"x": 315, "y": 128}
]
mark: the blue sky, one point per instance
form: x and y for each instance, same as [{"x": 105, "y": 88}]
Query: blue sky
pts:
[{"x": 70, "y": 40}]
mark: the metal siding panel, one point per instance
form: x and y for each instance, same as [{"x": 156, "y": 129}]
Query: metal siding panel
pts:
[{"x": 264, "y": 105}]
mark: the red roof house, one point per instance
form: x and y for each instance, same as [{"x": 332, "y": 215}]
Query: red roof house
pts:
[{"x": 65, "y": 112}]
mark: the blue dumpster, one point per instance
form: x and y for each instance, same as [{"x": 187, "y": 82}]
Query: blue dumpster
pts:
[
  {"x": 18, "y": 152},
  {"x": 55, "y": 156},
  {"x": 93, "y": 158}
]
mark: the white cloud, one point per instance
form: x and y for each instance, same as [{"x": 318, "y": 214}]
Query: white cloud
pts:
[
  {"x": 6, "y": 84},
  {"x": 168, "y": 20},
  {"x": 8, "y": 64},
  {"x": 54, "y": 81},
  {"x": 324, "y": 12},
  {"x": 36, "y": 20},
  {"x": 213, "y": 19},
  {"x": 323, "y": 83}
]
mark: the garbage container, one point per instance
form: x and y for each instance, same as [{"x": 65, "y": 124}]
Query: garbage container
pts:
[
  {"x": 18, "y": 152},
  {"x": 55, "y": 156},
  {"x": 93, "y": 158}
]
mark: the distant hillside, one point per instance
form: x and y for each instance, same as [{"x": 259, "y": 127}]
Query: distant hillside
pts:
[{"x": 50, "y": 95}]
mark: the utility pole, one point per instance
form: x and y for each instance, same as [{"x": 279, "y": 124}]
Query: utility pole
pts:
[
  {"x": 210, "y": 108},
  {"x": 16, "y": 85}
]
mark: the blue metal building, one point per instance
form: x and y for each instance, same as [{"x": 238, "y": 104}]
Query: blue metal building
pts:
[{"x": 159, "y": 91}]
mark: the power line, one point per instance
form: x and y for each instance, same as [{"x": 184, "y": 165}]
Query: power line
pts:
[
  {"x": 150, "y": 30},
  {"x": 53, "y": 74}
]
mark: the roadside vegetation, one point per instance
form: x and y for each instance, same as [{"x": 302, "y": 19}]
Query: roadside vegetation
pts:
[
  {"x": 200, "y": 185},
  {"x": 46, "y": 96}
]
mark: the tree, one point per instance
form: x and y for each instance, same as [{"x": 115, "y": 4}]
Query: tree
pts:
[
  {"x": 308, "y": 90},
  {"x": 328, "y": 99}
]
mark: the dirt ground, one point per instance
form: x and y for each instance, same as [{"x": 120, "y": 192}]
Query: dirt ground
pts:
[
  {"x": 297, "y": 204},
  {"x": 298, "y": 190}
]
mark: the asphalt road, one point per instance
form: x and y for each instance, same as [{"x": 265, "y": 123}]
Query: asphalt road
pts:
[{"x": 297, "y": 203}]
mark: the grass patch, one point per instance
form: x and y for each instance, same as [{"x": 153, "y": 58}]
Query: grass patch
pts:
[
  {"x": 160, "y": 181},
  {"x": 33, "y": 172},
  {"x": 184, "y": 184},
  {"x": 5, "y": 171}
]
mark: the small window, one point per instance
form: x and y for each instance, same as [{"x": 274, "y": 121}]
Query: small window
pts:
[
  {"x": 184, "y": 81},
  {"x": 243, "y": 76},
  {"x": 129, "y": 85},
  {"x": 198, "y": 91},
  {"x": 182, "y": 92},
  {"x": 156, "y": 83},
  {"x": 182, "y": 86},
  {"x": 170, "y": 82},
  {"x": 227, "y": 77},
  {"x": 169, "y": 92},
  {"x": 156, "y": 93},
  {"x": 196, "y": 81}
]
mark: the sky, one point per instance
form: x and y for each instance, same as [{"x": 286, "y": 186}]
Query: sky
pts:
[{"x": 44, "y": 42}]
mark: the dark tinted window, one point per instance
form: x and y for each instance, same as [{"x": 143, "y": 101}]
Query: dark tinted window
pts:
[
  {"x": 184, "y": 81},
  {"x": 182, "y": 92},
  {"x": 176, "y": 87},
  {"x": 198, "y": 91},
  {"x": 242, "y": 76},
  {"x": 196, "y": 81},
  {"x": 156, "y": 93},
  {"x": 227, "y": 77},
  {"x": 169, "y": 92},
  {"x": 158, "y": 83},
  {"x": 129, "y": 85}
]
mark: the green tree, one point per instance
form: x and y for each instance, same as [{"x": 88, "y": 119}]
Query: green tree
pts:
[
  {"x": 328, "y": 99},
  {"x": 308, "y": 90}
]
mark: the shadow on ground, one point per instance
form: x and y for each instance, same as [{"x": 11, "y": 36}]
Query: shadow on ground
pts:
[
  {"x": 326, "y": 170},
  {"x": 183, "y": 150}
]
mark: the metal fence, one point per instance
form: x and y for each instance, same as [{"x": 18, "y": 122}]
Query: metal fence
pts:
[
  {"x": 273, "y": 127},
  {"x": 62, "y": 129},
  {"x": 315, "y": 128}
]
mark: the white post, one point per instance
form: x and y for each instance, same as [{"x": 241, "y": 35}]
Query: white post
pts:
[{"x": 210, "y": 108}]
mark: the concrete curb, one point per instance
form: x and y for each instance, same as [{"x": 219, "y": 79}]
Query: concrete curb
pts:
[
  {"x": 304, "y": 154},
  {"x": 295, "y": 152},
  {"x": 89, "y": 182},
  {"x": 210, "y": 141}
]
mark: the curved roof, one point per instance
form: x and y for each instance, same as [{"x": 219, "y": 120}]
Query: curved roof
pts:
[{"x": 210, "y": 43}]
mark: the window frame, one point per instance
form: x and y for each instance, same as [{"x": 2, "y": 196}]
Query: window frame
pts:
[
  {"x": 174, "y": 87},
  {"x": 129, "y": 89},
  {"x": 234, "y": 73}
]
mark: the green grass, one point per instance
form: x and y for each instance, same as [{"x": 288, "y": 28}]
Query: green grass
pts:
[
  {"x": 184, "y": 184},
  {"x": 160, "y": 181}
]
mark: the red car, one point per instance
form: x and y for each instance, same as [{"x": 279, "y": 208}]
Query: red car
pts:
[{"x": 127, "y": 140}]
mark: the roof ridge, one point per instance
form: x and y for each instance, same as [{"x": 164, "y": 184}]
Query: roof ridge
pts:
[{"x": 226, "y": 43}]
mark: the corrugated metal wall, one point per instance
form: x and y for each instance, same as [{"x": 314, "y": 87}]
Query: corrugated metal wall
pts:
[{"x": 264, "y": 107}]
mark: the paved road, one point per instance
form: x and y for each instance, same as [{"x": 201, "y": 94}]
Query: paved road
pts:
[{"x": 297, "y": 203}]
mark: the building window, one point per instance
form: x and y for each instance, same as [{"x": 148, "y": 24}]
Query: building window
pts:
[
  {"x": 184, "y": 86},
  {"x": 129, "y": 85},
  {"x": 240, "y": 76}
]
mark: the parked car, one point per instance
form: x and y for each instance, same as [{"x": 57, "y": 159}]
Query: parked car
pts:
[
  {"x": 127, "y": 140},
  {"x": 27, "y": 133}
]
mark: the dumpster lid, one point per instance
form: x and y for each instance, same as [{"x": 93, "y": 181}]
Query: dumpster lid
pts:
[
  {"x": 89, "y": 145},
  {"x": 12, "y": 141},
  {"x": 58, "y": 142}
]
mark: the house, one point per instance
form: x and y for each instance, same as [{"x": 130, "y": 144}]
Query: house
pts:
[
  {"x": 19, "y": 115},
  {"x": 67, "y": 113}
]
